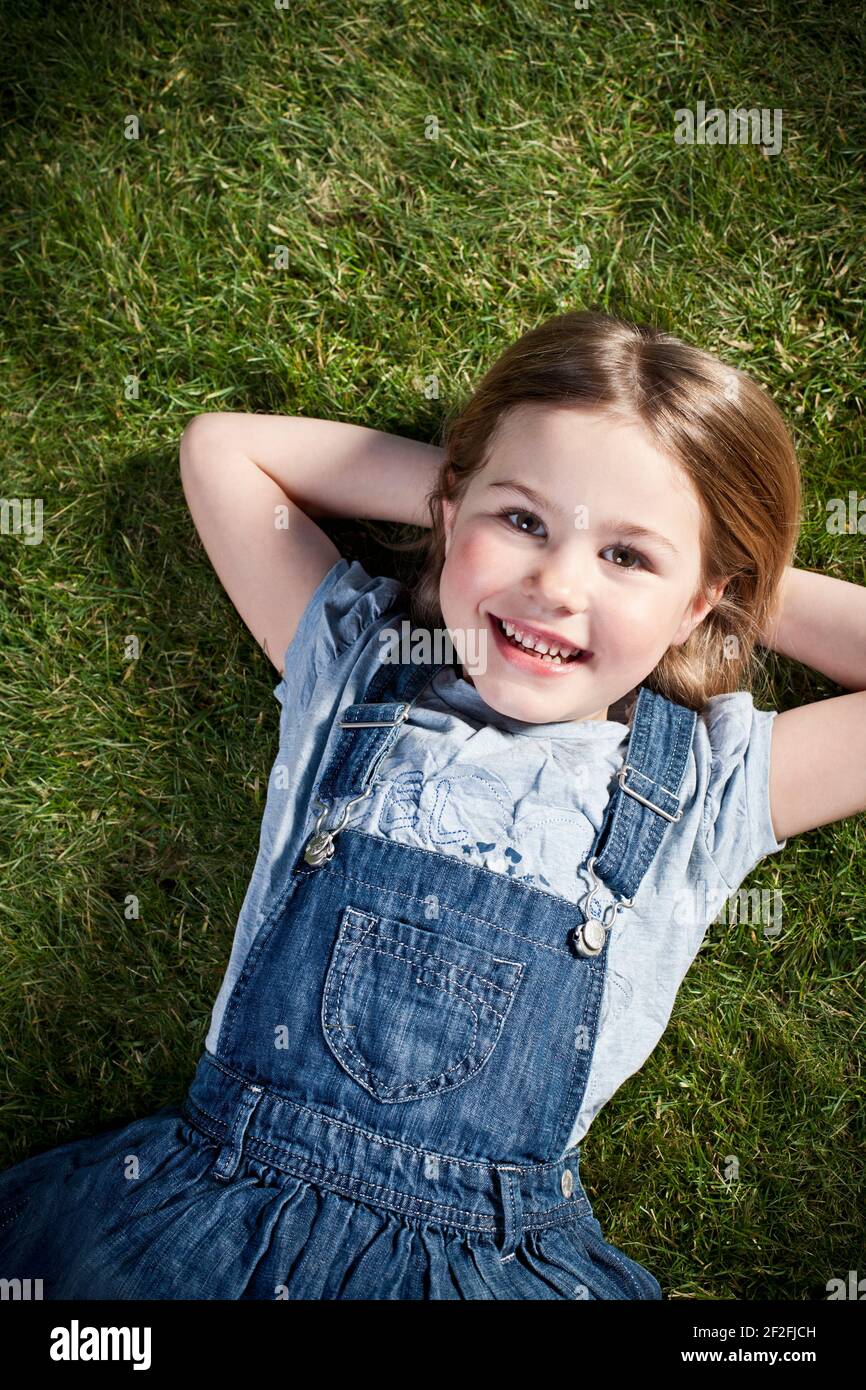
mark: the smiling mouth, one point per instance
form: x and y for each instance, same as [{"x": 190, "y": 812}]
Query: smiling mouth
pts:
[{"x": 544, "y": 658}]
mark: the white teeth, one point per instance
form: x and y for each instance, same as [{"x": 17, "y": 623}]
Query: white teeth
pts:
[{"x": 552, "y": 650}]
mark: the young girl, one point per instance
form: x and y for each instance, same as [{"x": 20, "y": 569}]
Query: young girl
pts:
[{"x": 485, "y": 868}]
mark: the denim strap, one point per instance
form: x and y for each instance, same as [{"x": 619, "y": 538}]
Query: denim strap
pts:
[
  {"x": 359, "y": 749},
  {"x": 232, "y": 1147},
  {"x": 645, "y": 801},
  {"x": 512, "y": 1211}
]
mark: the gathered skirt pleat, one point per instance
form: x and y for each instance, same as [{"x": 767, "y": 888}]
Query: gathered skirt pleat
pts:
[{"x": 136, "y": 1213}]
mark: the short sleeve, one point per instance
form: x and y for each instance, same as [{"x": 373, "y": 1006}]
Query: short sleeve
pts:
[
  {"x": 333, "y": 626},
  {"x": 737, "y": 825}
]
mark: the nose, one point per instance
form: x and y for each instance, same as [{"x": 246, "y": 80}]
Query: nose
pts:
[{"x": 558, "y": 580}]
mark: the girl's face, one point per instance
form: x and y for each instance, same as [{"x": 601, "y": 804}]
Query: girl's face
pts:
[{"x": 570, "y": 561}]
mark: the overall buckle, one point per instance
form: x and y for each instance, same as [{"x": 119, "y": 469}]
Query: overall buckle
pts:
[
  {"x": 402, "y": 712},
  {"x": 320, "y": 846},
  {"x": 621, "y": 776}
]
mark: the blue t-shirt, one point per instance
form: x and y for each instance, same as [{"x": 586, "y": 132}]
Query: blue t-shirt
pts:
[{"x": 526, "y": 800}]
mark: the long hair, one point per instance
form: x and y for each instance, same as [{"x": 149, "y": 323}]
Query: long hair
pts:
[{"x": 723, "y": 429}]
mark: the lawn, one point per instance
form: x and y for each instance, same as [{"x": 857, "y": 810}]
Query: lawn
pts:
[{"x": 348, "y": 211}]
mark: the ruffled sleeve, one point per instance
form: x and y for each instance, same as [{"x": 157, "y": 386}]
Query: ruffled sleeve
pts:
[
  {"x": 737, "y": 824},
  {"x": 333, "y": 627}
]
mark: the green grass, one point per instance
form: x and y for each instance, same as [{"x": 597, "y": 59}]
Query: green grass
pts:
[{"x": 407, "y": 258}]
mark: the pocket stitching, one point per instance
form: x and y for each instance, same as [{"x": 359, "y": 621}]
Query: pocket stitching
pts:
[
  {"x": 516, "y": 965},
  {"x": 449, "y": 986},
  {"x": 331, "y": 1008},
  {"x": 367, "y": 1069},
  {"x": 443, "y": 960}
]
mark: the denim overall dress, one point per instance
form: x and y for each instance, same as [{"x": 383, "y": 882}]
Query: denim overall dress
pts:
[{"x": 397, "y": 1074}]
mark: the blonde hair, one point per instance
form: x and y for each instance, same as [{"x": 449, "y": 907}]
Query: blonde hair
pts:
[{"x": 723, "y": 429}]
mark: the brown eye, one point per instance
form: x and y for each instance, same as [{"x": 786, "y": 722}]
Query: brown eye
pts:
[
  {"x": 627, "y": 550},
  {"x": 507, "y": 516}
]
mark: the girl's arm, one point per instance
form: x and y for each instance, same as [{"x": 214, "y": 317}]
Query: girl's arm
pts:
[
  {"x": 330, "y": 468},
  {"x": 821, "y": 622},
  {"x": 818, "y": 752},
  {"x": 253, "y": 484}
]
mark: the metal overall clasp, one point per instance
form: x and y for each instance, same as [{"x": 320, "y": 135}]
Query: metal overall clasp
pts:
[
  {"x": 320, "y": 845},
  {"x": 589, "y": 937}
]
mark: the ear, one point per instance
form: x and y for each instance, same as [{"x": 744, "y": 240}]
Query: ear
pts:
[{"x": 696, "y": 612}]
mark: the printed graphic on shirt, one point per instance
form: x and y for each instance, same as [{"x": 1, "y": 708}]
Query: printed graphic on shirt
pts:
[{"x": 446, "y": 811}]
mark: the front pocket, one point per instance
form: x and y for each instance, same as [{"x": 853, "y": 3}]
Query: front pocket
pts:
[{"x": 409, "y": 1012}]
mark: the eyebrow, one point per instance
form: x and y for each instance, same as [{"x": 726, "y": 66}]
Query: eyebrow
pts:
[{"x": 626, "y": 528}]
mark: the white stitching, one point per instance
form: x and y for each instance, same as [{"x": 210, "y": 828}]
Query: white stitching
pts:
[
  {"x": 364, "y": 1066},
  {"x": 517, "y": 965},
  {"x": 470, "y": 916},
  {"x": 386, "y": 1142}
]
